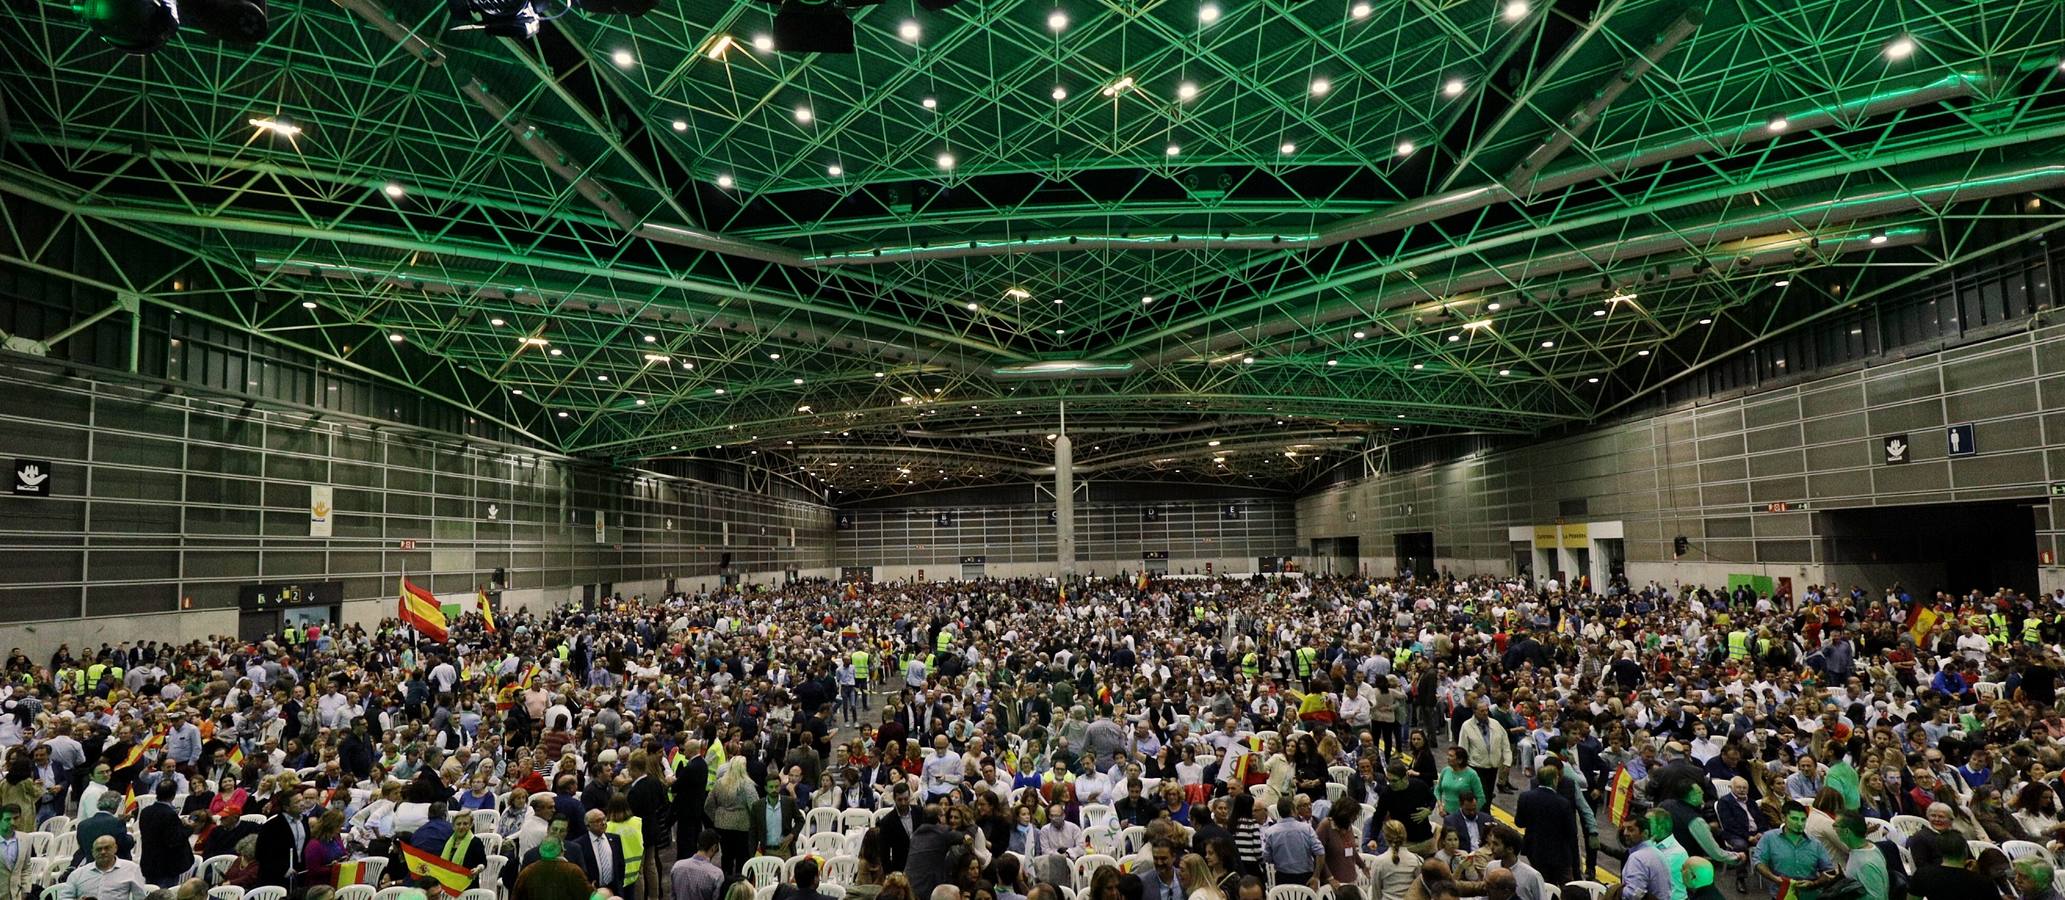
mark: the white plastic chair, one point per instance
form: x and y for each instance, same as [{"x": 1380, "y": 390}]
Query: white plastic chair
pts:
[
  {"x": 355, "y": 892},
  {"x": 1595, "y": 889},
  {"x": 840, "y": 870},
  {"x": 393, "y": 893},
  {"x": 1096, "y": 814},
  {"x": 1099, "y": 839},
  {"x": 489, "y": 874},
  {"x": 821, "y": 819},
  {"x": 1086, "y": 866},
  {"x": 268, "y": 892},
  {"x": 825, "y": 843},
  {"x": 1908, "y": 826},
  {"x": 1131, "y": 840},
  {"x": 213, "y": 867},
  {"x": 62, "y": 891},
  {"x": 1292, "y": 892},
  {"x": 36, "y": 843},
  {"x": 763, "y": 871},
  {"x": 1340, "y": 773},
  {"x": 1335, "y": 791},
  {"x": 2023, "y": 849},
  {"x": 374, "y": 865},
  {"x": 856, "y": 820},
  {"x": 764, "y": 892},
  {"x": 478, "y": 894},
  {"x": 57, "y": 824}
]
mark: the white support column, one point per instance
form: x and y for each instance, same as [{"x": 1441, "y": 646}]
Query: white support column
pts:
[{"x": 1064, "y": 509}]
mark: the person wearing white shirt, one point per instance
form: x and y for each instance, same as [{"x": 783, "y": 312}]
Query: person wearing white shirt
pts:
[
  {"x": 944, "y": 771},
  {"x": 107, "y": 876},
  {"x": 1060, "y": 835}
]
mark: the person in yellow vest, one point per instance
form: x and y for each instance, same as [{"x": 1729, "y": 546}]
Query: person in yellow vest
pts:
[
  {"x": 1307, "y": 661},
  {"x": 860, "y": 676},
  {"x": 1251, "y": 665},
  {"x": 630, "y": 830},
  {"x": 2032, "y": 629},
  {"x": 1998, "y": 632},
  {"x": 1739, "y": 645}
]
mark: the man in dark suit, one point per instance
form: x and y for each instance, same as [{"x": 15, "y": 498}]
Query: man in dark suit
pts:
[
  {"x": 104, "y": 822},
  {"x": 1470, "y": 824},
  {"x": 899, "y": 826},
  {"x": 930, "y": 846},
  {"x": 1741, "y": 820},
  {"x": 601, "y": 853},
  {"x": 165, "y": 849},
  {"x": 280, "y": 841},
  {"x": 1549, "y": 821},
  {"x": 805, "y": 887},
  {"x": 691, "y": 785}
]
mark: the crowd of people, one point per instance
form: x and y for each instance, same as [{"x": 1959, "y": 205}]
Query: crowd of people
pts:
[{"x": 1175, "y": 739}]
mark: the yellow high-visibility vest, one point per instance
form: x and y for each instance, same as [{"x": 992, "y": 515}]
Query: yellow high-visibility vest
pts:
[
  {"x": 860, "y": 665},
  {"x": 632, "y": 832},
  {"x": 1249, "y": 666},
  {"x": 2032, "y": 630},
  {"x": 1738, "y": 645}
]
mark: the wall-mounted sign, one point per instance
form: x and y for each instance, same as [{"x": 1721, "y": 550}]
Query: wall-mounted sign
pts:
[
  {"x": 32, "y": 477},
  {"x": 1961, "y": 440},
  {"x": 1896, "y": 448},
  {"x": 320, "y": 510},
  {"x": 974, "y": 560},
  {"x": 1154, "y": 554},
  {"x": 277, "y": 595}
]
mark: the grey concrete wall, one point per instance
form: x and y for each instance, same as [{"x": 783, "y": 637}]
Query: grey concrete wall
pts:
[{"x": 1708, "y": 470}]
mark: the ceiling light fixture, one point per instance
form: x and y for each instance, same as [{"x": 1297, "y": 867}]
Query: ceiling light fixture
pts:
[
  {"x": 1877, "y": 238},
  {"x": 1777, "y": 125},
  {"x": 1900, "y": 48},
  {"x": 908, "y": 30},
  {"x": 1059, "y": 93},
  {"x": 929, "y": 103},
  {"x": 1592, "y": 380},
  {"x": 763, "y": 43},
  {"x": 1405, "y": 148},
  {"x": 1361, "y": 334},
  {"x": 394, "y": 190},
  {"x": 562, "y": 414},
  {"x": 1359, "y": 11},
  {"x": 624, "y": 59},
  {"x": 555, "y": 351},
  {"x": 1288, "y": 148},
  {"x": 1418, "y": 366},
  {"x": 1186, "y": 90},
  {"x": 1321, "y": 86},
  {"x": 946, "y": 160},
  {"x": 1057, "y": 21},
  {"x": 497, "y": 322},
  {"x": 395, "y": 337},
  {"x": 680, "y": 124},
  {"x": 834, "y": 170},
  {"x": 1333, "y": 362},
  {"x": 1017, "y": 293},
  {"x": 537, "y": 342},
  {"x": 1453, "y": 87},
  {"x": 1641, "y": 353},
  {"x": 1514, "y": 10},
  {"x": 1493, "y": 306},
  {"x": 1118, "y": 87},
  {"x": 1782, "y": 282},
  {"x": 972, "y": 307},
  {"x": 1547, "y": 344},
  {"x": 1505, "y": 371},
  {"x": 1172, "y": 150},
  {"x": 658, "y": 358},
  {"x": 1706, "y": 321},
  {"x": 517, "y": 392},
  {"x": 277, "y": 126},
  {"x": 650, "y": 339},
  {"x": 308, "y": 304},
  {"x": 725, "y": 182},
  {"x": 804, "y": 115},
  {"x": 1208, "y": 13}
]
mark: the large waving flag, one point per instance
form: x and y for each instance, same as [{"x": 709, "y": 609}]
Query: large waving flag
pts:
[
  {"x": 451, "y": 876},
  {"x": 419, "y": 610},
  {"x": 154, "y": 742},
  {"x": 487, "y": 612},
  {"x": 1921, "y": 620}
]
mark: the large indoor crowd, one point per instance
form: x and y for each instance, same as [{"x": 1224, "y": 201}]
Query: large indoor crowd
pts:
[{"x": 1163, "y": 739}]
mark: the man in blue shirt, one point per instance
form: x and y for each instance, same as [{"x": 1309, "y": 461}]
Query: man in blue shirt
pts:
[{"x": 1643, "y": 875}]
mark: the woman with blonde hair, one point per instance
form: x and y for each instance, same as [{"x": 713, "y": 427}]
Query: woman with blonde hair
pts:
[
  {"x": 730, "y": 808},
  {"x": 1196, "y": 873},
  {"x": 1391, "y": 876}
]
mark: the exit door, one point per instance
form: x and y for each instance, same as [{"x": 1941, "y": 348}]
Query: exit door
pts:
[{"x": 1415, "y": 553}]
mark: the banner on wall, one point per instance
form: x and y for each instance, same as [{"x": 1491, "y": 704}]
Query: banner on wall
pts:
[
  {"x": 320, "y": 510},
  {"x": 600, "y": 529}
]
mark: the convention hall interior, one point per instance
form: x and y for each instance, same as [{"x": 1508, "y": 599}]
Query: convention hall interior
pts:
[{"x": 1496, "y": 350}]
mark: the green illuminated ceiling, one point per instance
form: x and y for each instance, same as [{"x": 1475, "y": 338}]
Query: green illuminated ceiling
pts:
[{"x": 1216, "y": 213}]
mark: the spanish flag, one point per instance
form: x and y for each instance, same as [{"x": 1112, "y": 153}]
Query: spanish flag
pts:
[
  {"x": 129, "y": 799},
  {"x": 1922, "y": 619},
  {"x": 1620, "y": 792},
  {"x": 451, "y": 876},
  {"x": 154, "y": 742},
  {"x": 236, "y": 756},
  {"x": 1143, "y": 580},
  {"x": 487, "y": 612},
  {"x": 351, "y": 872},
  {"x": 419, "y": 610}
]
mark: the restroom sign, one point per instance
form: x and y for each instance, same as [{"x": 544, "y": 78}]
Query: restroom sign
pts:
[{"x": 1960, "y": 440}]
